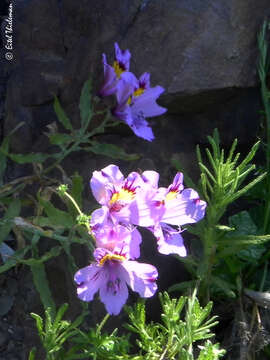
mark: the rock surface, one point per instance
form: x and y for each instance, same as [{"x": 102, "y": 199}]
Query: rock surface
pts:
[{"x": 198, "y": 50}]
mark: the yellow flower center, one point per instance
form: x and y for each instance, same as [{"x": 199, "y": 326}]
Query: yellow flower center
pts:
[
  {"x": 171, "y": 195},
  {"x": 136, "y": 93},
  {"x": 118, "y": 69},
  {"x": 111, "y": 257},
  {"x": 123, "y": 194}
]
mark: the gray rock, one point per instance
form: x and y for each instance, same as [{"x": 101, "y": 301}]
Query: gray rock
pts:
[
  {"x": 195, "y": 46},
  {"x": 6, "y": 303},
  {"x": 39, "y": 31},
  {"x": 198, "y": 50},
  {"x": 3, "y": 338}
]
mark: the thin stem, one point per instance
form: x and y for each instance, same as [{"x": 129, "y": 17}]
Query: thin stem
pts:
[
  {"x": 73, "y": 202},
  {"x": 65, "y": 153},
  {"x": 264, "y": 276},
  {"x": 103, "y": 322},
  {"x": 209, "y": 254},
  {"x": 262, "y": 70}
]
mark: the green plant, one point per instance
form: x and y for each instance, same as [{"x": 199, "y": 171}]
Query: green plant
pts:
[
  {"x": 223, "y": 180},
  {"x": 179, "y": 336},
  {"x": 45, "y": 220},
  {"x": 55, "y": 332}
]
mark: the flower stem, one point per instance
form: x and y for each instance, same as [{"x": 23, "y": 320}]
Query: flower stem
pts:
[
  {"x": 103, "y": 322},
  {"x": 73, "y": 202}
]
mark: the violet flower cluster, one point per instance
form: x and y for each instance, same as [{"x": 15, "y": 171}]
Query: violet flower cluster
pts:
[
  {"x": 136, "y": 99},
  {"x": 126, "y": 204}
]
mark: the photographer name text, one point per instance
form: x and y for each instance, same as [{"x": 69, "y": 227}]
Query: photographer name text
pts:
[{"x": 9, "y": 34}]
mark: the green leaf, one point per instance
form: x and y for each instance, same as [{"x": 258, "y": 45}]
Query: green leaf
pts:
[
  {"x": 249, "y": 156},
  {"x": 56, "y": 216},
  {"x": 7, "y": 221},
  {"x": 247, "y": 187},
  {"x": 243, "y": 240},
  {"x": 43, "y": 221},
  {"x": 243, "y": 224},
  {"x": 60, "y": 139},
  {"x": 224, "y": 286},
  {"x": 234, "y": 264},
  {"x": 29, "y": 158},
  {"x": 14, "y": 259},
  {"x": 252, "y": 254},
  {"x": 184, "y": 285},
  {"x": 112, "y": 151},
  {"x": 42, "y": 286},
  {"x": 55, "y": 251},
  {"x": 202, "y": 312},
  {"x": 210, "y": 351},
  {"x": 3, "y": 157},
  {"x": 32, "y": 354},
  {"x": 39, "y": 323},
  {"x": 85, "y": 105},
  {"x": 61, "y": 115},
  {"x": 7, "y": 190},
  {"x": 60, "y": 313}
]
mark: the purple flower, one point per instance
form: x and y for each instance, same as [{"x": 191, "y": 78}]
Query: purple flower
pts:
[
  {"x": 136, "y": 102},
  {"x": 120, "y": 69},
  {"x": 169, "y": 240},
  {"x": 110, "y": 275},
  {"x": 173, "y": 205},
  {"x": 114, "y": 193},
  {"x": 119, "y": 238}
]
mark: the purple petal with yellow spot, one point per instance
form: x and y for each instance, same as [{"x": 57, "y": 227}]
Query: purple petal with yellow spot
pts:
[
  {"x": 111, "y": 275},
  {"x": 185, "y": 208},
  {"x": 102, "y": 182},
  {"x": 122, "y": 56},
  {"x": 146, "y": 105}
]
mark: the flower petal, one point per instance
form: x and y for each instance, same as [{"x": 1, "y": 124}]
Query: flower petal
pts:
[
  {"x": 89, "y": 280},
  {"x": 185, "y": 208},
  {"x": 98, "y": 184},
  {"x": 109, "y": 86},
  {"x": 144, "y": 81},
  {"x": 134, "y": 245},
  {"x": 103, "y": 183},
  {"x": 113, "y": 174},
  {"x": 151, "y": 178},
  {"x": 146, "y": 103},
  {"x": 177, "y": 184},
  {"x": 114, "y": 294},
  {"x": 119, "y": 239},
  {"x": 140, "y": 126},
  {"x": 147, "y": 209},
  {"x": 141, "y": 277},
  {"x": 169, "y": 240},
  {"x": 99, "y": 216},
  {"x": 122, "y": 56}
]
